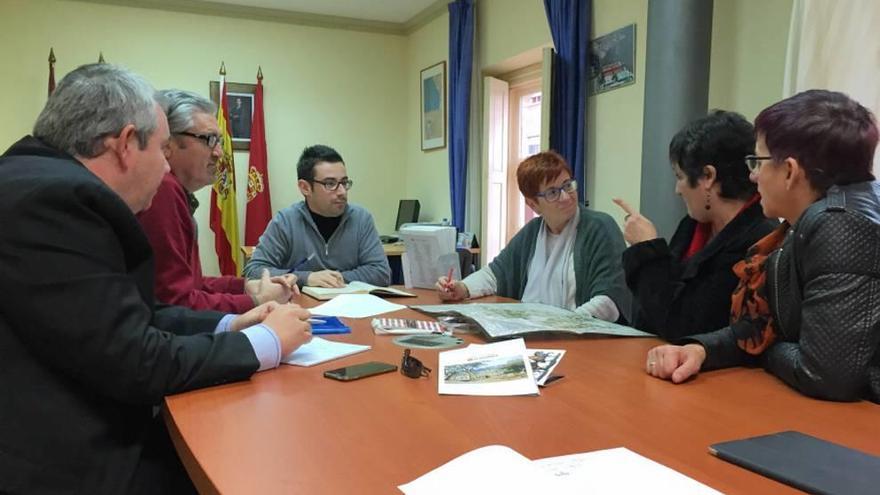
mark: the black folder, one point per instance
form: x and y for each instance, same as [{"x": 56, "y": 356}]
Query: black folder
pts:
[{"x": 805, "y": 462}]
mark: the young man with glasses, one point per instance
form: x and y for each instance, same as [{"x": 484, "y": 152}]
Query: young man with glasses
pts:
[
  {"x": 323, "y": 240},
  {"x": 568, "y": 257},
  {"x": 193, "y": 153}
]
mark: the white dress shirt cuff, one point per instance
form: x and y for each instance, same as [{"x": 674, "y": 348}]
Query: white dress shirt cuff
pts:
[
  {"x": 224, "y": 324},
  {"x": 266, "y": 345}
]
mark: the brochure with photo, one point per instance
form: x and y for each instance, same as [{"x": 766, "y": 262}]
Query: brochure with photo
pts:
[{"x": 493, "y": 369}]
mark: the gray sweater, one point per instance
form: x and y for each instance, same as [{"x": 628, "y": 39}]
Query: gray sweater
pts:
[{"x": 353, "y": 250}]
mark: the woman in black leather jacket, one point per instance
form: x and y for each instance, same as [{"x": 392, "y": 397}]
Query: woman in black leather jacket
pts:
[{"x": 808, "y": 305}]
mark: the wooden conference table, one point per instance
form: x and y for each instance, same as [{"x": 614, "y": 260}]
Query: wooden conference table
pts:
[{"x": 291, "y": 430}]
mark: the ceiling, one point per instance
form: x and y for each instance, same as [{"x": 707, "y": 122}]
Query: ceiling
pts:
[{"x": 397, "y": 11}]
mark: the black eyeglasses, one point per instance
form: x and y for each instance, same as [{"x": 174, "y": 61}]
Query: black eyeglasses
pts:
[
  {"x": 552, "y": 193},
  {"x": 412, "y": 367},
  {"x": 211, "y": 140},
  {"x": 333, "y": 184},
  {"x": 754, "y": 162}
]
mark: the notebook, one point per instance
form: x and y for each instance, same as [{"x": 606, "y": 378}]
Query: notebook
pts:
[
  {"x": 320, "y": 351},
  {"x": 325, "y": 293},
  {"x": 805, "y": 462}
]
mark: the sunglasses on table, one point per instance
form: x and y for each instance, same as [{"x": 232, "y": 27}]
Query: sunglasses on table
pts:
[{"x": 412, "y": 367}]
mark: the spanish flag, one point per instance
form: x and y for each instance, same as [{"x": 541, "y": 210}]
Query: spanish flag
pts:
[{"x": 224, "y": 217}]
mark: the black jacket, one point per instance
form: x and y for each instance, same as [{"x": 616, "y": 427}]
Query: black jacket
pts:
[
  {"x": 678, "y": 298},
  {"x": 84, "y": 355},
  {"x": 823, "y": 286}
]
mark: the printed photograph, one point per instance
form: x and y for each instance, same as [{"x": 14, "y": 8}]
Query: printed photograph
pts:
[{"x": 499, "y": 369}]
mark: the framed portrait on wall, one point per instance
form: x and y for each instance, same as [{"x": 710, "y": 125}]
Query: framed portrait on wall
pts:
[
  {"x": 432, "y": 84},
  {"x": 241, "y": 110}
]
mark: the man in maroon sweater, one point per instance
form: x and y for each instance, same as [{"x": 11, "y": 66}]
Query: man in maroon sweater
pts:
[{"x": 193, "y": 154}]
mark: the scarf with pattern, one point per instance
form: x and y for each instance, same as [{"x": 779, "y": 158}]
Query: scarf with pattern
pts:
[{"x": 750, "y": 316}]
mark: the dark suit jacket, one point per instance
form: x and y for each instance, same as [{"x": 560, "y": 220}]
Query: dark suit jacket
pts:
[
  {"x": 84, "y": 355},
  {"x": 678, "y": 298}
]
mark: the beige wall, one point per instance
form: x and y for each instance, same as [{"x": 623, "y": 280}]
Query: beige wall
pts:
[
  {"x": 748, "y": 54},
  {"x": 359, "y": 92},
  {"x": 427, "y": 172},
  {"x": 337, "y": 87}
]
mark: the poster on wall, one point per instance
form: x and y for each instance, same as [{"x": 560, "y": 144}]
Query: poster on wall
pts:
[
  {"x": 612, "y": 60},
  {"x": 433, "y": 109}
]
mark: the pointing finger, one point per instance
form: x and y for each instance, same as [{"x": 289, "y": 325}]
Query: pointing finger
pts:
[{"x": 624, "y": 206}]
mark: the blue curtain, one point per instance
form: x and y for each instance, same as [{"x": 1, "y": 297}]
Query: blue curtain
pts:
[
  {"x": 570, "y": 27},
  {"x": 461, "y": 56}
]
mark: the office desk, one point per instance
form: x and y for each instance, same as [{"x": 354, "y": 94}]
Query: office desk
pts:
[{"x": 291, "y": 430}]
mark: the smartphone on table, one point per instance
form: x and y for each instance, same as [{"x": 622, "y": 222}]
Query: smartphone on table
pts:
[{"x": 361, "y": 370}]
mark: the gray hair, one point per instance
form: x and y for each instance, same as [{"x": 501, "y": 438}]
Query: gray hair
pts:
[
  {"x": 93, "y": 102},
  {"x": 180, "y": 106}
]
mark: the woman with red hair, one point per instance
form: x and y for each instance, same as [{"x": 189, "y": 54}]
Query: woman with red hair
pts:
[{"x": 569, "y": 256}]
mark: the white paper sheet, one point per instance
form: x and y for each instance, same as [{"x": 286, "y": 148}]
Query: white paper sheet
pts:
[
  {"x": 620, "y": 470},
  {"x": 491, "y": 469},
  {"x": 500, "y": 469},
  {"x": 320, "y": 351},
  {"x": 355, "y": 306}
]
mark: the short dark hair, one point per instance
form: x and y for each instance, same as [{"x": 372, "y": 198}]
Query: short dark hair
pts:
[
  {"x": 830, "y": 135},
  {"x": 537, "y": 169},
  {"x": 311, "y": 156},
  {"x": 721, "y": 139}
]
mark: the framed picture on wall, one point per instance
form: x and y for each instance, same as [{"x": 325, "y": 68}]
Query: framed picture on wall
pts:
[
  {"x": 432, "y": 84},
  {"x": 241, "y": 110},
  {"x": 612, "y": 60}
]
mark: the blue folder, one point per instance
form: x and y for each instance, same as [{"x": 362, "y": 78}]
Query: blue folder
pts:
[{"x": 331, "y": 324}]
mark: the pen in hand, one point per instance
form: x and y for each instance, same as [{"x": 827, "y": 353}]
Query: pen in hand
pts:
[
  {"x": 316, "y": 321},
  {"x": 449, "y": 286},
  {"x": 299, "y": 264}
]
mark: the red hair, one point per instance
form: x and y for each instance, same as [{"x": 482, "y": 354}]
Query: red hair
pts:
[{"x": 538, "y": 169}]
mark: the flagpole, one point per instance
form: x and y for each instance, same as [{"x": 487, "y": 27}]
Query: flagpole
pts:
[{"x": 51, "y": 70}]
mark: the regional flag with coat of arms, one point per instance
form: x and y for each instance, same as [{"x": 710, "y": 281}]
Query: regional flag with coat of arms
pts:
[
  {"x": 259, "y": 205},
  {"x": 224, "y": 217}
]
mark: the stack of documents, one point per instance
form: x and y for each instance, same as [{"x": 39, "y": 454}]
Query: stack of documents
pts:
[
  {"x": 355, "y": 306},
  {"x": 492, "y": 369},
  {"x": 542, "y": 361},
  {"x": 499, "y": 469}
]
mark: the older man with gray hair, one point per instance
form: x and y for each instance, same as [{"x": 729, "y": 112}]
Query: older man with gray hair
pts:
[
  {"x": 193, "y": 153},
  {"x": 85, "y": 354}
]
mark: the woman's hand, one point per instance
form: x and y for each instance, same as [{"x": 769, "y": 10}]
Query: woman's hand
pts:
[
  {"x": 675, "y": 362},
  {"x": 451, "y": 290},
  {"x": 636, "y": 228}
]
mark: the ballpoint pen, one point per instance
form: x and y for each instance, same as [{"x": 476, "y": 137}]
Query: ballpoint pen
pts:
[
  {"x": 299, "y": 264},
  {"x": 316, "y": 321}
]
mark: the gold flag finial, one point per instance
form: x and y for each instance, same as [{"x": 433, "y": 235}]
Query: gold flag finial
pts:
[
  {"x": 259, "y": 73},
  {"x": 222, "y": 68},
  {"x": 101, "y": 58},
  {"x": 51, "y": 56}
]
